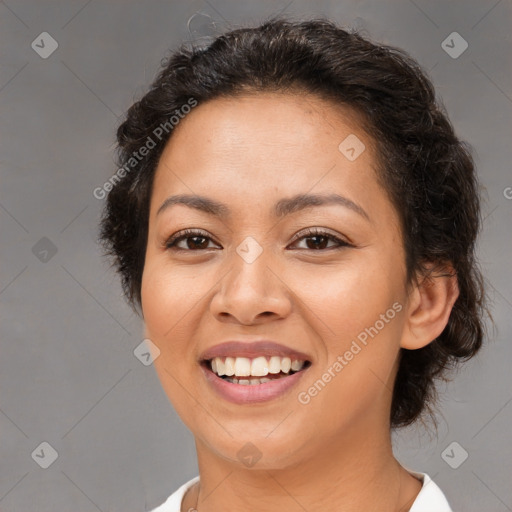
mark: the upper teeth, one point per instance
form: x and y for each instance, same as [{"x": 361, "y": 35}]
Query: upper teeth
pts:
[{"x": 257, "y": 367}]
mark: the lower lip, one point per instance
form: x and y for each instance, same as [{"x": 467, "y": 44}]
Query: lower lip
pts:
[{"x": 248, "y": 394}]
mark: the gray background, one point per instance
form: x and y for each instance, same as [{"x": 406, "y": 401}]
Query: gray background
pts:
[{"x": 69, "y": 376}]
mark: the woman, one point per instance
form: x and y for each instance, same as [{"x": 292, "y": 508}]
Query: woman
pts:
[{"x": 295, "y": 220}]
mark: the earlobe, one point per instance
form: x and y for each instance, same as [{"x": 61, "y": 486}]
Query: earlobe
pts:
[{"x": 428, "y": 311}]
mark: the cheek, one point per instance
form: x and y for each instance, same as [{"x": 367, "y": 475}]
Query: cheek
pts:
[
  {"x": 168, "y": 296},
  {"x": 357, "y": 315},
  {"x": 156, "y": 294},
  {"x": 168, "y": 305},
  {"x": 347, "y": 300}
]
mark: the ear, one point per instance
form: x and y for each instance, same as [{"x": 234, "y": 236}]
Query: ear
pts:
[{"x": 430, "y": 303}]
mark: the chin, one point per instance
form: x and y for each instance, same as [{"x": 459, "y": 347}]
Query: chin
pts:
[{"x": 257, "y": 452}]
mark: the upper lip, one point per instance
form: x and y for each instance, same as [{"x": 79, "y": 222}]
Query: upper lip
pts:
[{"x": 265, "y": 348}]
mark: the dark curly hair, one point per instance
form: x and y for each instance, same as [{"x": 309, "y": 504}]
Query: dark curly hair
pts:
[{"x": 426, "y": 170}]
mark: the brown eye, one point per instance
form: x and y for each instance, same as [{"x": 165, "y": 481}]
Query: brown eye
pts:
[
  {"x": 194, "y": 240},
  {"x": 317, "y": 239}
]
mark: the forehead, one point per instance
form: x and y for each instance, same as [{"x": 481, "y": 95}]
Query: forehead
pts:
[
  {"x": 292, "y": 122},
  {"x": 262, "y": 143}
]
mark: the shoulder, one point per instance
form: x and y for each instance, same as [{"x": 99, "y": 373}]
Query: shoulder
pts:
[
  {"x": 430, "y": 497},
  {"x": 173, "y": 502}
]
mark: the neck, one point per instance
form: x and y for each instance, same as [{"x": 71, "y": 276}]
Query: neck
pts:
[{"x": 351, "y": 476}]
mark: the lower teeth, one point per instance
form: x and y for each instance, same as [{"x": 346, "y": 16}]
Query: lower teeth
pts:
[{"x": 252, "y": 382}]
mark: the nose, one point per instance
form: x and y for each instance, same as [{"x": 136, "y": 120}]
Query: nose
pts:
[{"x": 251, "y": 293}]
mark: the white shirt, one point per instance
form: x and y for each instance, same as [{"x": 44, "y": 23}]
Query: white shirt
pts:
[{"x": 429, "y": 499}]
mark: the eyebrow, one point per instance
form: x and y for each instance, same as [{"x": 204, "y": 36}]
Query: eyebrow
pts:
[{"x": 282, "y": 208}]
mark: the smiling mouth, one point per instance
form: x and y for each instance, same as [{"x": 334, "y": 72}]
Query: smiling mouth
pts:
[{"x": 254, "y": 371}]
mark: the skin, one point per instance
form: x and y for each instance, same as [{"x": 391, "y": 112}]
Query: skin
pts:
[{"x": 335, "y": 452}]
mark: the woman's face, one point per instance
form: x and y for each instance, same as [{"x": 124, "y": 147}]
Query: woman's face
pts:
[{"x": 252, "y": 272}]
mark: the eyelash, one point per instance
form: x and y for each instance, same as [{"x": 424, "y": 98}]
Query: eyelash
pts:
[{"x": 309, "y": 233}]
